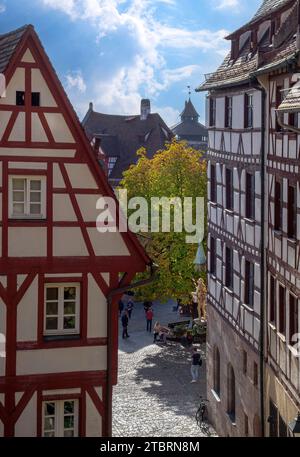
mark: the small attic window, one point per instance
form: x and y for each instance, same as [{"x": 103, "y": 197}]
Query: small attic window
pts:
[
  {"x": 235, "y": 48},
  {"x": 35, "y": 99},
  {"x": 20, "y": 98}
]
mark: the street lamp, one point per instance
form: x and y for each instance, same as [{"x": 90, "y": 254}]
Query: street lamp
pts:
[
  {"x": 294, "y": 426},
  {"x": 200, "y": 260}
]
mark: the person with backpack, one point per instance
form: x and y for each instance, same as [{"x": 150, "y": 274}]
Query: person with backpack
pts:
[
  {"x": 196, "y": 364},
  {"x": 149, "y": 318},
  {"x": 125, "y": 321}
]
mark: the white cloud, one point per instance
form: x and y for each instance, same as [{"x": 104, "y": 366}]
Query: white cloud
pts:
[
  {"x": 75, "y": 81},
  {"x": 2, "y": 8},
  {"x": 147, "y": 73},
  {"x": 224, "y": 4}
]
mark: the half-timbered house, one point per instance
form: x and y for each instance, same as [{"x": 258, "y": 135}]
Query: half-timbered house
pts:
[
  {"x": 253, "y": 262},
  {"x": 59, "y": 277}
]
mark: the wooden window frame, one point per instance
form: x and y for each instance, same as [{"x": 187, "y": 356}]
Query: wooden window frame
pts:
[
  {"x": 278, "y": 206},
  {"x": 293, "y": 318},
  {"x": 292, "y": 212},
  {"x": 250, "y": 196},
  {"x": 59, "y": 416},
  {"x": 213, "y": 183},
  {"x": 229, "y": 190},
  {"x": 212, "y": 111},
  {"x": 229, "y": 268},
  {"x": 248, "y": 111},
  {"x": 27, "y": 215},
  {"x": 60, "y": 331},
  {"x": 249, "y": 284},
  {"x": 228, "y": 112},
  {"x": 272, "y": 305},
  {"x": 213, "y": 253},
  {"x": 282, "y": 310}
]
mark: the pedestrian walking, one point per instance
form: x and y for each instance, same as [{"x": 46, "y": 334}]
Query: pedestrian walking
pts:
[
  {"x": 125, "y": 321},
  {"x": 121, "y": 307},
  {"x": 130, "y": 308},
  {"x": 196, "y": 363},
  {"x": 149, "y": 318}
]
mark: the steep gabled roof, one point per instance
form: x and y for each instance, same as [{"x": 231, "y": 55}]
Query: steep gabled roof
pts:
[
  {"x": 189, "y": 110},
  {"x": 8, "y": 44},
  {"x": 12, "y": 48},
  {"x": 122, "y": 136},
  {"x": 251, "y": 63},
  {"x": 267, "y": 8}
]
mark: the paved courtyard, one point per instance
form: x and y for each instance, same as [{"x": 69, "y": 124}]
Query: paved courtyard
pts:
[{"x": 154, "y": 396}]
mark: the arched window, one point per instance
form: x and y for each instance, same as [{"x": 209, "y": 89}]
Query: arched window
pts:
[
  {"x": 217, "y": 373},
  {"x": 231, "y": 393}
]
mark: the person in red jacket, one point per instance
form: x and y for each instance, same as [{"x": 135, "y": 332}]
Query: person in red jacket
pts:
[{"x": 149, "y": 317}]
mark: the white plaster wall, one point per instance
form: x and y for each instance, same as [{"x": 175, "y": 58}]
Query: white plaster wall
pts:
[
  {"x": 238, "y": 112},
  {"x": 27, "y": 242},
  {"x": 80, "y": 176},
  {"x": 28, "y": 57},
  {"x": 58, "y": 181},
  {"x": 97, "y": 311},
  {"x": 38, "y": 133},
  {"x": 26, "y": 424},
  {"x": 27, "y": 314},
  {"x": 61, "y": 360},
  {"x": 5, "y": 116},
  {"x": 68, "y": 241},
  {"x": 59, "y": 128},
  {"x": 63, "y": 208},
  {"x": 18, "y": 131},
  {"x": 17, "y": 83},
  {"x": 39, "y": 84},
  {"x": 107, "y": 243},
  {"x": 93, "y": 419},
  {"x": 87, "y": 205}
]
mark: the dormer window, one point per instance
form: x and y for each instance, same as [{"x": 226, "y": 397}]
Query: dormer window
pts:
[
  {"x": 254, "y": 40},
  {"x": 235, "y": 48},
  {"x": 20, "y": 98}
]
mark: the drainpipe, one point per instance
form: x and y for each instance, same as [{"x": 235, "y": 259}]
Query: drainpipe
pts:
[
  {"x": 262, "y": 263},
  {"x": 109, "y": 299}
]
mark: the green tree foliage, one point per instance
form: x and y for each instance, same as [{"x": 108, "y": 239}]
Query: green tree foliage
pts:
[{"x": 176, "y": 171}]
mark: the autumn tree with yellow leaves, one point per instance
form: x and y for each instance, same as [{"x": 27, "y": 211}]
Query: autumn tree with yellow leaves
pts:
[{"x": 176, "y": 171}]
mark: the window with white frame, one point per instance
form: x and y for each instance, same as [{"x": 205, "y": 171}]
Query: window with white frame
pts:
[
  {"x": 27, "y": 197},
  {"x": 62, "y": 309},
  {"x": 60, "y": 418}
]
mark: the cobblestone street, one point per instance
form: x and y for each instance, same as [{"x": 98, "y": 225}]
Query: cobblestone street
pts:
[{"x": 154, "y": 396}]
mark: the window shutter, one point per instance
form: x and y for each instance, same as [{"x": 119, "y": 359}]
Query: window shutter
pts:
[
  {"x": 226, "y": 111},
  {"x": 246, "y": 101}
]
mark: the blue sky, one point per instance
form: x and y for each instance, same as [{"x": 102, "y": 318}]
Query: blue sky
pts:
[{"x": 114, "y": 52}]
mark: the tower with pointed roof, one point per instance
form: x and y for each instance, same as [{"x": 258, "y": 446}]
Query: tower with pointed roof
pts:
[{"x": 190, "y": 129}]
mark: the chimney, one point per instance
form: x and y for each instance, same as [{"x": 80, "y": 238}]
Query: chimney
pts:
[
  {"x": 145, "y": 109},
  {"x": 91, "y": 107}
]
